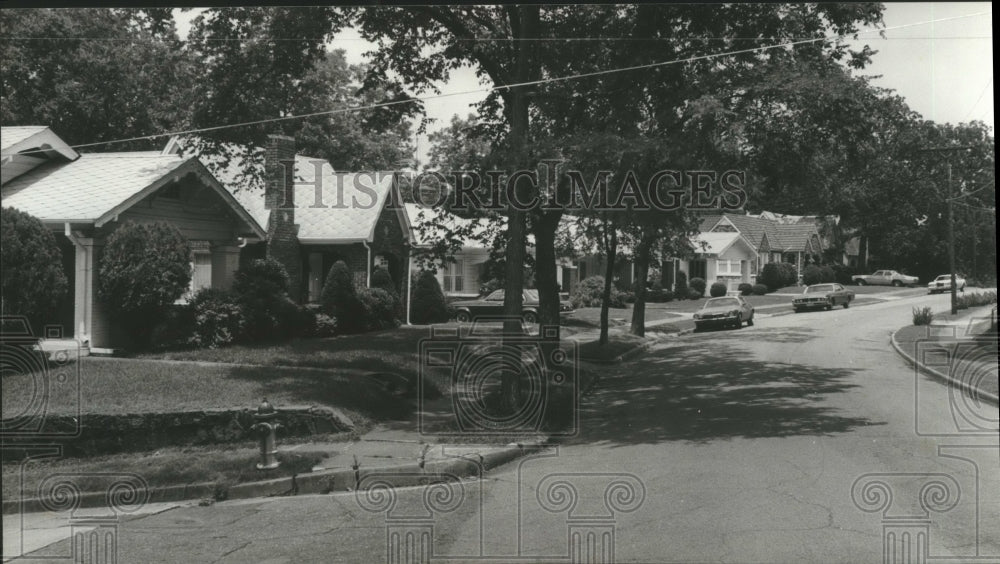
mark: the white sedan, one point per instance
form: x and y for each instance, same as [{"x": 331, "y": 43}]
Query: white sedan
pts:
[{"x": 943, "y": 284}]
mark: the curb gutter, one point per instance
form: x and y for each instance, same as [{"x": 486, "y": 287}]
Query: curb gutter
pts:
[
  {"x": 323, "y": 482},
  {"x": 946, "y": 379}
]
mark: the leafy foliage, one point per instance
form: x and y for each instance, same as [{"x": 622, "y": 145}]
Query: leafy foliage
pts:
[
  {"x": 381, "y": 309},
  {"x": 698, "y": 285},
  {"x": 143, "y": 268},
  {"x": 745, "y": 289},
  {"x": 218, "y": 318},
  {"x": 590, "y": 293},
  {"x": 33, "y": 277},
  {"x": 922, "y": 316},
  {"x": 429, "y": 305},
  {"x": 759, "y": 289},
  {"x": 340, "y": 299},
  {"x": 681, "y": 283},
  {"x": 777, "y": 275},
  {"x": 718, "y": 289},
  {"x": 261, "y": 289}
]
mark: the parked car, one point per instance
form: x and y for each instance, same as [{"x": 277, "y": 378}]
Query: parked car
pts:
[
  {"x": 492, "y": 305},
  {"x": 943, "y": 284},
  {"x": 823, "y": 296},
  {"x": 724, "y": 311},
  {"x": 885, "y": 278}
]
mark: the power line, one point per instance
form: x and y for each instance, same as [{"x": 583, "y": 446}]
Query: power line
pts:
[
  {"x": 510, "y": 86},
  {"x": 476, "y": 39},
  {"x": 980, "y": 98}
]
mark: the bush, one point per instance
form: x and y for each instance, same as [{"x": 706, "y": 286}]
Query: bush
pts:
[
  {"x": 218, "y": 318},
  {"x": 654, "y": 294},
  {"x": 827, "y": 274},
  {"x": 698, "y": 285},
  {"x": 718, "y": 289},
  {"x": 629, "y": 297},
  {"x": 340, "y": 299},
  {"x": 842, "y": 273},
  {"x": 668, "y": 296},
  {"x": 759, "y": 289},
  {"x": 173, "y": 329},
  {"x": 681, "y": 284},
  {"x": 381, "y": 309},
  {"x": 428, "y": 303},
  {"x": 811, "y": 275},
  {"x": 33, "y": 277},
  {"x": 922, "y": 316},
  {"x": 965, "y": 301},
  {"x": 777, "y": 275},
  {"x": 382, "y": 279},
  {"x": 324, "y": 326},
  {"x": 746, "y": 289},
  {"x": 143, "y": 270},
  {"x": 590, "y": 291},
  {"x": 261, "y": 289},
  {"x": 694, "y": 294}
]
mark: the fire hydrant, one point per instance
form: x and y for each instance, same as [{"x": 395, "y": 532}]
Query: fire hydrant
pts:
[{"x": 265, "y": 428}]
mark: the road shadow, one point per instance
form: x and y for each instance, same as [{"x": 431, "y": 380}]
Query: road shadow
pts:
[
  {"x": 697, "y": 393},
  {"x": 790, "y": 335}
]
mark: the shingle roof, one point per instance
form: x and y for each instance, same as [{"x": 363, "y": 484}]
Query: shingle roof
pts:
[
  {"x": 87, "y": 188},
  {"x": 350, "y": 219},
  {"x": 795, "y": 236},
  {"x": 754, "y": 229},
  {"x": 10, "y": 136}
]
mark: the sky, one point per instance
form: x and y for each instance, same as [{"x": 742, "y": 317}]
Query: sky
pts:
[{"x": 944, "y": 70}]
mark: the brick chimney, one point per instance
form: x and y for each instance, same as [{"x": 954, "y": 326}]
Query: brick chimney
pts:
[{"x": 279, "y": 199}]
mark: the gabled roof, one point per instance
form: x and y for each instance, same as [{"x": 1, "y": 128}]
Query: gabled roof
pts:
[
  {"x": 717, "y": 243},
  {"x": 346, "y": 212},
  {"x": 796, "y": 236},
  {"x": 23, "y": 148},
  {"x": 753, "y": 229},
  {"x": 98, "y": 186}
]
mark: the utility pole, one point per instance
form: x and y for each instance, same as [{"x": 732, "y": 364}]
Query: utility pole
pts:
[{"x": 951, "y": 243}]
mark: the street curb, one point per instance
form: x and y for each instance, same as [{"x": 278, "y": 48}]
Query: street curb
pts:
[
  {"x": 946, "y": 379},
  {"x": 322, "y": 482}
]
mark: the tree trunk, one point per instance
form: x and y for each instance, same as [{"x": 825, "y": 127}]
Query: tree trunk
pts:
[
  {"x": 524, "y": 27},
  {"x": 545, "y": 226},
  {"x": 642, "y": 256},
  {"x": 611, "y": 250}
]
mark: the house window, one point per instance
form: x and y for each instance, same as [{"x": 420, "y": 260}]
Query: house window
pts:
[
  {"x": 698, "y": 269},
  {"x": 453, "y": 279},
  {"x": 728, "y": 267}
]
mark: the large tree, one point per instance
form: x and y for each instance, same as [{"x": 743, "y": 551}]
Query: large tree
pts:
[{"x": 95, "y": 74}]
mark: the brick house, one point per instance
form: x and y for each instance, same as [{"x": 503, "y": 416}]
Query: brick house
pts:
[
  {"x": 316, "y": 216},
  {"x": 84, "y": 198}
]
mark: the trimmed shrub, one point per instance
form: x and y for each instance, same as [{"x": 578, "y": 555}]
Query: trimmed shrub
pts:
[
  {"x": 381, "y": 309},
  {"x": 718, "y": 289},
  {"x": 655, "y": 292},
  {"x": 759, "y": 289},
  {"x": 382, "y": 279},
  {"x": 589, "y": 292},
  {"x": 811, "y": 275},
  {"x": 143, "y": 270},
  {"x": 777, "y": 275},
  {"x": 629, "y": 297},
  {"x": 698, "y": 285},
  {"x": 745, "y": 289},
  {"x": 429, "y": 305},
  {"x": 261, "y": 289},
  {"x": 33, "y": 281},
  {"x": 681, "y": 284},
  {"x": 340, "y": 299},
  {"x": 694, "y": 294},
  {"x": 668, "y": 296},
  {"x": 218, "y": 318},
  {"x": 922, "y": 316},
  {"x": 173, "y": 330}
]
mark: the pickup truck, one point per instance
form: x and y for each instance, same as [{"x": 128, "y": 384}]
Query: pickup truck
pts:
[{"x": 885, "y": 278}]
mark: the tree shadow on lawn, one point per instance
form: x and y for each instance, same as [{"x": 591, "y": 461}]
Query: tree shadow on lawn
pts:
[{"x": 700, "y": 394}]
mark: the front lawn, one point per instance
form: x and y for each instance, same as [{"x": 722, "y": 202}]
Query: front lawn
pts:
[{"x": 119, "y": 386}]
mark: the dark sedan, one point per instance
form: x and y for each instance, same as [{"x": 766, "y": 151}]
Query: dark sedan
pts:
[
  {"x": 823, "y": 296},
  {"x": 724, "y": 311},
  {"x": 492, "y": 305}
]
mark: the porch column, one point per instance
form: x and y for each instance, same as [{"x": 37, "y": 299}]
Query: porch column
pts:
[
  {"x": 225, "y": 261},
  {"x": 84, "y": 289}
]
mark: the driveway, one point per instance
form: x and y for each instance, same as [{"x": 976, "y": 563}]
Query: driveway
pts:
[{"x": 802, "y": 439}]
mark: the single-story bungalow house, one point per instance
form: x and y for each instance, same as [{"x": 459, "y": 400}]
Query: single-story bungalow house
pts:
[
  {"x": 762, "y": 239},
  {"x": 327, "y": 215},
  {"x": 84, "y": 198}
]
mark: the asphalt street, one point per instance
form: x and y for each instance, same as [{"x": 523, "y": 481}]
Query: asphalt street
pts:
[{"x": 805, "y": 438}]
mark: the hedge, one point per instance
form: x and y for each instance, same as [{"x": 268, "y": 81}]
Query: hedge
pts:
[
  {"x": 718, "y": 289},
  {"x": 33, "y": 281}
]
